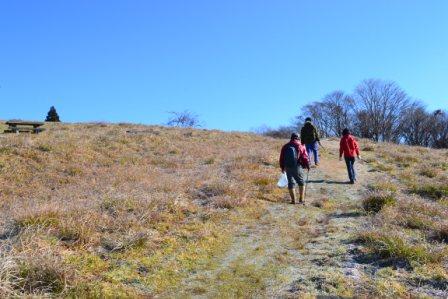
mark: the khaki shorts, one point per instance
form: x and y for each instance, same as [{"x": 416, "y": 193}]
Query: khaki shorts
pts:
[{"x": 295, "y": 176}]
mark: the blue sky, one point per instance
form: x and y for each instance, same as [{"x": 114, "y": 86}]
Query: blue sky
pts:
[{"x": 238, "y": 64}]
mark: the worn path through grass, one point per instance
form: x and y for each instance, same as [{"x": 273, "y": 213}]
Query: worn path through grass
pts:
[{"x": 290, "y": 250}]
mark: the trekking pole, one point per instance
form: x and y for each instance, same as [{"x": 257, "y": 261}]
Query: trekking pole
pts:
[
  {"x": 306, "y": 184},
  {"x": 321, "y": 145}
]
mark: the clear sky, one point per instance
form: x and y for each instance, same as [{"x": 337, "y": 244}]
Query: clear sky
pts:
[{"x": 238, "y": 64}]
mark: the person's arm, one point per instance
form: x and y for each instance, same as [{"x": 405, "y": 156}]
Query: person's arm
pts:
[
  {"x": 282, "y": 166},
  {"x": 355, "y": 144},
  {"x": 341, "y": 150}
]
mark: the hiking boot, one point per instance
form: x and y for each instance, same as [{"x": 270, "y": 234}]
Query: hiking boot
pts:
[
  {"x": 301, "y": 202},
  {"x": 292, "y": 202},
  {"x": 352, "y": 181}
]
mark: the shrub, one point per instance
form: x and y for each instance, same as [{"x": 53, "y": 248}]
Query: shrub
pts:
[
  {"x": 441, "y": 233},
  {"x": 383, "y": 186},
  {"x": 387, "y": 245},
  {"x": 429, "y": 172},
  {"x": 41, "y": 275},
  {"x": 8, "y": 274},
  {"x": 384, "y": 167},
  {"x": 374, "y": 202},
  {"x": 38, "y": 218},
  {"x": 52, "y": 115},
  {"x": 432, "y": 191},
  {"x": 368, "y": 148}
]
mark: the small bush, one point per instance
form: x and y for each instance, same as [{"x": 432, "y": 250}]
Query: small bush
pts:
[
  {"x": 384, "y": 167},
  {"x": 368, "y": 148},
  {"x": 215, "y": 188},
  {"x": 429, "y": 172},
  {"x": 383, "y": 186},
  {"x": 209, "y": 161},
  {"x": 414, "y": 221},
  {"x": 440, "y": 234},
  {"x": 374, "y": 202},
  {"x": 44, "y": 148},
  {"x": 262, "y": 181},
  {"x": 39, "y": 218},
  {"x": 41, "y": 275},
  {"x": 386, "y": 245},
  {"x": 227, "y": 202},
  {"x": 435, "y": 192}
]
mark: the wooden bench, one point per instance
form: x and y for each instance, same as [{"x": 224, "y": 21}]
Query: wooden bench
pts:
[{"x": 18, "y": 126}]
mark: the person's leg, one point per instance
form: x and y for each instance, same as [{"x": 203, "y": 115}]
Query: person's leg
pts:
[
  {"x": 292, "y": 193},
  {"x": 309, "y": 150},
  {"x": 316, "y": 152},
  {"x": 349, "y": 169},
  {"x": 291, "y": 183},
  {"x": 353, "y": 169},
  {"x": 298, "y": 177}
]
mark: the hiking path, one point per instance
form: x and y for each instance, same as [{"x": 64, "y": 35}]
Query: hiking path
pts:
[{"x": 291, "y": 250}]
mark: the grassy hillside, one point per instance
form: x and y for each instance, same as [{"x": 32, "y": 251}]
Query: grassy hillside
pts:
[
  {"x": 405, "y": 240},
  {"x": 93, "y": 209},
  {"x": 128, "y": 210}
]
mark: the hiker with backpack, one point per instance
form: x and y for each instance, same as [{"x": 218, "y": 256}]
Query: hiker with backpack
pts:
[
  {"x": 293, "y": 159},
  {"x": 310, "y": 138},
  {"x": 349, "y": 148}
]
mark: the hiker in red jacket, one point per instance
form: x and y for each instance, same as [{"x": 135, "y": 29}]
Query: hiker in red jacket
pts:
[
  {"x": 293, "y": 159},
  {"x": 349, "y": 147}
]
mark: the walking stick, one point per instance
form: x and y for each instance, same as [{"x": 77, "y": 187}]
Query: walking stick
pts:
[
  {"x": 306, "y": 184},
  {"x": 323, "y": 148}
]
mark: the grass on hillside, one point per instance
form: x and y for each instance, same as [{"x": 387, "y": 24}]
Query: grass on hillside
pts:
[
  {"x": 409, "y": 226},
  {"x": 93, "y": 210},
  {"x": 97, "y": 210}
]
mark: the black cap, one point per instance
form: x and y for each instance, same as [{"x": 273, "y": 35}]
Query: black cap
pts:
[
  {"x": 308, "y": 119},
  {"x": 345, "y": 131},
  {"x": 294, "y": 136}
]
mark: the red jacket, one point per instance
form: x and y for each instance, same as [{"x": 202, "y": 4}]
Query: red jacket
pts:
[
  {"x": 348, "y": 146},
  {"x": 301, "y": 152}
]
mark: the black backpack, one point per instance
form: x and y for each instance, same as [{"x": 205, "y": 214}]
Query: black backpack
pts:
[{"x": 290, "y": 156}]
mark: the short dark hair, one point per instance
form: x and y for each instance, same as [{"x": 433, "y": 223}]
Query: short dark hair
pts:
[
  {"x": 308, "y": 119},
  {"x": 294, "y": 136},
  {"x": 346, "y": 131}
]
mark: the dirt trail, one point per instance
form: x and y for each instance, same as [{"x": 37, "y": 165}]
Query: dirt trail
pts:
[{"x": 293, "y": 250}]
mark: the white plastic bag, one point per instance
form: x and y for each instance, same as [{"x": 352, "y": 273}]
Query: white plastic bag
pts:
[{"x": 282, "y": 181}]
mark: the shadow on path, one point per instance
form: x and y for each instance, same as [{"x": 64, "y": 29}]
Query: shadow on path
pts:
[
  {"x": 316, "y": 181},
  {"x": 338, "y": 182},
  {"x": 346, "y": 214}
]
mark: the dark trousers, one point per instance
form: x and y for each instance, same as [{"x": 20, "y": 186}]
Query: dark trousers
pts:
[{"x": 350, "y": 162}]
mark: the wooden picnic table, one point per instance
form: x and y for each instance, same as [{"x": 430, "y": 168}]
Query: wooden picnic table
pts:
[{"x": 17, "y": 126}]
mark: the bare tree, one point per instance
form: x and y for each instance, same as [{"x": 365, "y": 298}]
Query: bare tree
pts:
[
  {"x": 331, "y": 115},
  {"x": 439, "y": 132},
  {"x": 416, "y": 125},
  {"x": 183, "y": 119},
  {"x": 282, "y": 132},
  {"x": 380, "y": 105},
  {"x": 338, "y": 108},
  {"x": 316, "y": 111},
  {"x": 378, "y": 110}
]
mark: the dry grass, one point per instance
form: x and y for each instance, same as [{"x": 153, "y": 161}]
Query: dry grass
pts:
[
  {"x": 90, "y": 210},
  {"x": 375, "y": 201},
  {"x": 413, "y": 230},
  {"x": 93, "y": 210}
]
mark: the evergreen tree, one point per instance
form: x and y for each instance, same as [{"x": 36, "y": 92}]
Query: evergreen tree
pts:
[{"x": 52, "y": 115}]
